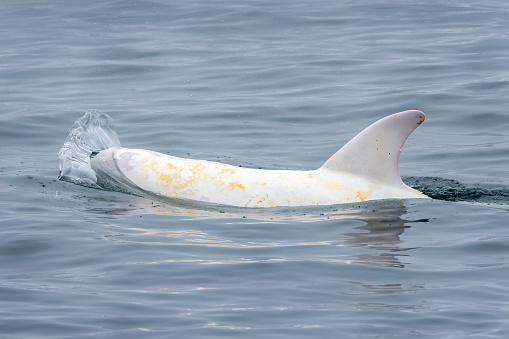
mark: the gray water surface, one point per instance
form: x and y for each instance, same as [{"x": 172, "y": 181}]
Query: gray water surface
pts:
[{"x": 267, "y": 85}]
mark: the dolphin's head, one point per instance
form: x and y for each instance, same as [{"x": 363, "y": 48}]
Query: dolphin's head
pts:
[{"x": 108, "y": 166}]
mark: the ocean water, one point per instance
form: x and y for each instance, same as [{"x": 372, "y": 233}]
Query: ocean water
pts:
[{"x": 279, "y": 85}]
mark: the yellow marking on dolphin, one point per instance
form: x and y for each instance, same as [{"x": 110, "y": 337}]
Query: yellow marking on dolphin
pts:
[
  {"x": 362, "y": 196},
  {"x": 262, "y": 199},
  {"x": 173, "y": 179},
  {"x": 234, "y": 185}
]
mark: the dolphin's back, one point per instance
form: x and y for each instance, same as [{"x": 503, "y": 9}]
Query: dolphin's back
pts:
[{"x": 366, "y": 168}]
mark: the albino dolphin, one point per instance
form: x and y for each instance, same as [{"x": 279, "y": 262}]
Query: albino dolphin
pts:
[{"x": 366, "y": 168}]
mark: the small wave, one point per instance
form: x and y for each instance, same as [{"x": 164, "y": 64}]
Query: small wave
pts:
[{"x": 453, "y": 190}]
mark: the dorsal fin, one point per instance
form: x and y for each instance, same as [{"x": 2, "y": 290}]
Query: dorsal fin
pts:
[{"x": 374, "y": 152}]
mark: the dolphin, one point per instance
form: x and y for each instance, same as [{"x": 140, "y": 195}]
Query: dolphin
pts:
[{"x": 366, "y": 168}]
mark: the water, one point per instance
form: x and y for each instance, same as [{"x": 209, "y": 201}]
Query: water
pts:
[{"x": 273, "y": 85}]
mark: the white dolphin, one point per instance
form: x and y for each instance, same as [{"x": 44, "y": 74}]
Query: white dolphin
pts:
[{"x": 366, "y": 168}]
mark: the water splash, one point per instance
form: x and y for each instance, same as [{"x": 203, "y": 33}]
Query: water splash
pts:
[{"x": 453, "y": 190}]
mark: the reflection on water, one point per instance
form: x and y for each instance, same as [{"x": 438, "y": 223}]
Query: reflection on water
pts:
[
  {"x": 378, "y": 236},
  {"x": 382, "y": 232},
  {"x": 372, "y": 212},
  {"x": 356, "y": 235},
  {"x": 385, "y": 288},
  {"x": 382, "y": 307}
]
